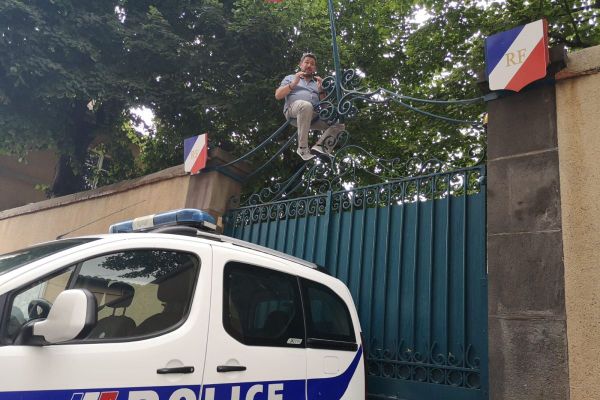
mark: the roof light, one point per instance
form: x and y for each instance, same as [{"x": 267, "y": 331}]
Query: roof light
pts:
[{"x": 185, "y": 216}]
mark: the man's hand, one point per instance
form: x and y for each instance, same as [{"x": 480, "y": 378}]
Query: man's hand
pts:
[
  {"x": 283, "y": 91},
  {"x": 319, "y": 83},
  {"x": 299, "y": 75}
]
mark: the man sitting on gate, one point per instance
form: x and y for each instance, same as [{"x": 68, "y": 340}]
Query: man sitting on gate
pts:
[{"x": 302, "y": 92}]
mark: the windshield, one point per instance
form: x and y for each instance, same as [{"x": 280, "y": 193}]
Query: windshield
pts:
[{"x": 16, "y": 259}]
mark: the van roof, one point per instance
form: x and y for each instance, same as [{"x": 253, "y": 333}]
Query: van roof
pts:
[{"x": 191, "y": 231}]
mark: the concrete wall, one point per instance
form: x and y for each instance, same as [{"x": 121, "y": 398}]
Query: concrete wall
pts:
[
  {"x": 578, "y": 120},
  {"x": 92, "y": 212}
]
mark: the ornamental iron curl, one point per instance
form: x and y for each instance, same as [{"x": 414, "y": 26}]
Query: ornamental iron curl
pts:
[{"x": 402, "y": 362}]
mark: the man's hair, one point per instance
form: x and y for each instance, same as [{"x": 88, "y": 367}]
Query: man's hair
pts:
[{"x": 311, "y": 55}]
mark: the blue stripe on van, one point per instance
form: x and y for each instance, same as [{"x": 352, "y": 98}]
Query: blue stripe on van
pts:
[{"x": 319, "y": 388}]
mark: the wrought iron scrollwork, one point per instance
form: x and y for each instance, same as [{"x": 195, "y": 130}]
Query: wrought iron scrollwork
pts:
[
  {"x": 333, "y": 109},
  {"x": 405, "y": 363},
  {"x": 281, "y": 210},
  {"x": 412, "y": 180},
  {"x": 320, "y": 182}
]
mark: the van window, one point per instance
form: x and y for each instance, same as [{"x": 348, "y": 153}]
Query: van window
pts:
[
  {"x": 327, "y": 316},
  {"x": 19, "y": 258},
  {"x": 262, "y": 307},
  {"x": 34, "y": 301},
  {"x": 138, "y": 293}
]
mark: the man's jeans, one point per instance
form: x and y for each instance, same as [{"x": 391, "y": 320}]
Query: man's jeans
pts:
[{"x": 304, "y": 113}]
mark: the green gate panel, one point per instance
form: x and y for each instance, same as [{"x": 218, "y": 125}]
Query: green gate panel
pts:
[{"x": 412, "y": 253}]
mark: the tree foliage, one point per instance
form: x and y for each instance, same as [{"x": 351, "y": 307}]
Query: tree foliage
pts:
[{"x": 71, "y": 70}]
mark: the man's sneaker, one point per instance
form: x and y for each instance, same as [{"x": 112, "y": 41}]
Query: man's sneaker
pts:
[
  {"x": 304, "y": 153},
  {"x": 319, "y": 150}
]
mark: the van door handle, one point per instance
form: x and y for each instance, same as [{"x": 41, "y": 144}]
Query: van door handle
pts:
[
  {"x": 175, "y": 370},
  {"x": 230, "y": 368}
]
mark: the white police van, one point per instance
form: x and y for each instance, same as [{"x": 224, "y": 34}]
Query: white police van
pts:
[{"x": 173, "y": 313}]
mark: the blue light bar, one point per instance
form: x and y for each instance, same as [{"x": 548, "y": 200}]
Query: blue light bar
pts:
[{"x": 185, "y": 216}]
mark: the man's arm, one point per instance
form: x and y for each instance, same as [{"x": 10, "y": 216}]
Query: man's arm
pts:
[
  {"x": 283, "y": 91},
  {"x": 287, "y": 85},
  {"x": 322, "y": 93}
]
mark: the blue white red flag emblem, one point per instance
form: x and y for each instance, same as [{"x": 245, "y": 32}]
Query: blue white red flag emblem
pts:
[
  {"x": 195, "y": 153},
  {"x": 517, "y": 57},
  {"x": 95, "y": 396}
]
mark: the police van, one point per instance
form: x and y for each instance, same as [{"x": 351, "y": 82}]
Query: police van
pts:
[{"x": 161, "y": 309}]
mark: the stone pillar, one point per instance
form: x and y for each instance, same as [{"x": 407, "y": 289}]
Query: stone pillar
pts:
[{"x": 527, "y": 322}]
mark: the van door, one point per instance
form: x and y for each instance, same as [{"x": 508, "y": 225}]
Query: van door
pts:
[
  {"x": 334, "y": 356},
  {"x": 256, "y": 348},
  {"x": 150, "y": 339}
]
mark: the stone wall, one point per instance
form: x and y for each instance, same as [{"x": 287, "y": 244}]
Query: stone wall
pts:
[{"x": 92, "y": 212}]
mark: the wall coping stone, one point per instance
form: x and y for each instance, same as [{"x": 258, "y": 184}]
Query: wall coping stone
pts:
[
  {"x": 216, "y": 157},
  {"x": 582, "y": 62}
]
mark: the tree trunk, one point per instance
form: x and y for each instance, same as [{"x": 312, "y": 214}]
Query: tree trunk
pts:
[
  {"x": 65, "y": 181},
  {"x": 69, "y": 176}
]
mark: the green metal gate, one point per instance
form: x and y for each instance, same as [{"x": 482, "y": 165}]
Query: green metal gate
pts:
[{"x": 412, "y": 252}]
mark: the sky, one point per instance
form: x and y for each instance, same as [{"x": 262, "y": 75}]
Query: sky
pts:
[{"x": 147, "y": 115}]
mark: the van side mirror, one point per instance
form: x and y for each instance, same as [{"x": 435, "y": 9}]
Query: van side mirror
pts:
[{"x": 72, "y": 316}]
